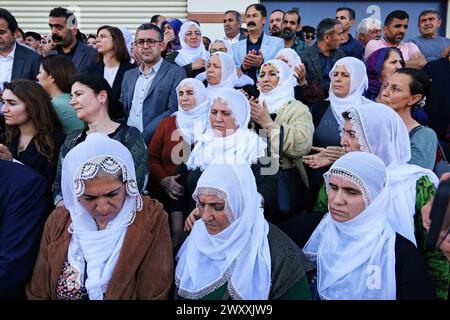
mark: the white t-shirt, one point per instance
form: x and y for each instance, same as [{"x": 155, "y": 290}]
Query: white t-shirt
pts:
[{"x": 110, "y": 74}]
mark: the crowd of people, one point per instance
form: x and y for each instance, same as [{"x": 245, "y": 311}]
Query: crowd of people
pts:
[{"x": 299, "y": 164}]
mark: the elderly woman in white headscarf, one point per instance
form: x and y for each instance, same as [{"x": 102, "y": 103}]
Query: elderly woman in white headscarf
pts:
[
  {"x": 232, "y": 251},
  {"x": 358, "y": 254},
  {"x": 380, "y": 130},
  {"x": 192, "y": 56},
  {"x": 288, "y": 124},
  {"x": 108, "y": 242},
  {"x": 348, "y": 82},
  {"x": 228, "y": 140},
  {"x": 173, "y": 141},
  {"x": 240, "y": 79}
]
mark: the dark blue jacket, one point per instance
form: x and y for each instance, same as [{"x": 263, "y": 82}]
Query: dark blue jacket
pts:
[{"x": 23, "y": 210}]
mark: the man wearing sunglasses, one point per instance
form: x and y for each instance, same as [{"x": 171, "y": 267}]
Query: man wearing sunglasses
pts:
[{"x": 148, "y": 91}]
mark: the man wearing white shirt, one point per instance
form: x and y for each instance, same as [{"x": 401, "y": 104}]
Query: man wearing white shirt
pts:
[
  {"x": 148, "y": 92},
  {"x": 232, "y": 26},
  {"x": 16, "y": 61}
]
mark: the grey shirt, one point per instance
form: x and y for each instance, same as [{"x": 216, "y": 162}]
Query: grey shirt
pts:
[
  {"x": 431, "y": 48},
  {"x": 423, "y": 147}
]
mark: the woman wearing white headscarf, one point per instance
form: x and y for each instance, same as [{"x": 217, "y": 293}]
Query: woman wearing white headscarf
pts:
[
  {"x": 232, "y": 252},
  {"x": 192, "y": 55},
  {"x": 348, "y": 82},
  {"x": 357, "y": 252},
  {"x": 289, "y": 56},
  {"x": 380, "y": 130},
  {"x": 108, "y": 242},
  {"x": 173, "y": 141},
  {"x": 289, "y": 127},
  {"x": 222, "y": 46},
  {"x": 228, "y": 140}
]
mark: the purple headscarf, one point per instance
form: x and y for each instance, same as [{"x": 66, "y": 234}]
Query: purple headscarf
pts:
[
  {"x": 176, "y": 25},
  {"x": 374, "y": 66}
]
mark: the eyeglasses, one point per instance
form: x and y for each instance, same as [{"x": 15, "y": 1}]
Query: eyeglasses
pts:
[
  {"x": 219, "y": 50},
  {"x": 150, "y": 42},
  {"x": 310, "y": 36}
]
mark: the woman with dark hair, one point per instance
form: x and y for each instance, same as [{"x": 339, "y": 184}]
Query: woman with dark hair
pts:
[
  {"x": 112, "y": 60},
  {"x": 33, "y": 133},
  {"x": 55, "y": 76},
  {"x": 405, "y": 91},
  {"x": 381, "y": 64},
  {"x": 171, "y": 29},
  {"x": 90, "y": 99}
]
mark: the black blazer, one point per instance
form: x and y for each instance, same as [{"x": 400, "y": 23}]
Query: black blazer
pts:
[
  {"x": 23, "y": 209},
  {"x": 99, "y": 68},
  {"x": 26, "y": 64}
]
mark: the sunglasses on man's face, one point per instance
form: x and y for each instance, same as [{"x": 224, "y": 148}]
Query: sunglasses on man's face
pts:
[{"x": 310, "y": 36}]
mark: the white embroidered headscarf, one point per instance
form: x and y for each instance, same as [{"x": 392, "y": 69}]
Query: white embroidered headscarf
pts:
[
  {"x": 99, "y": 250},
  {"x": 186, "y": 54},
  {"x": 358, "y": 83},
  {"x": 382, "y": 132},
  {"x": 242, "y": 146},
  {"x": 193, "y": 123},
  {"x": 292, "y": 57},
  {"x": 228, "y": 74},
  {"x": 238, "y": 254},
  {"x": 284, "y": 91},
  {"x": 356, "y": 258},
  {"x": 239, "y": 81}
]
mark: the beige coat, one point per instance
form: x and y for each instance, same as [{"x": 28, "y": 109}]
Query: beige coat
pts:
[
  {"x": 144, "y": 269},
  {"x": 298, "y": 135}
]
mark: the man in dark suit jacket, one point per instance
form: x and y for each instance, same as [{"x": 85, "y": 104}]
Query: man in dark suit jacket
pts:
[
  {"x": 20, "y": 62},
  {"x": 63, "y": 26},
  {"x": 322, "y": 55},
  {"x": 23, "y": 210},
  {"x": 148, "y": 91}
]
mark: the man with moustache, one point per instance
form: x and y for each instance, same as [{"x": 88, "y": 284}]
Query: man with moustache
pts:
[
  {"x": 251, "y": 53},
  {"x": 148, "y": 91},
  {"x": 395, "y": 27},
  {"x": 291, "y": 25},
  {"x": 63, "y": 27},
  {"x": 275, "y": 23}
]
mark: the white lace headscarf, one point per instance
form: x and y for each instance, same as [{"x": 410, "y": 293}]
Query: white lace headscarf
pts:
[
  {"x": 356, "y": 258},
  {"x": 99, "y": 250},
  {"x": 186, "y": 54},
  {"x": 238, "y": 254},
  {"x": 242, "y": 146},
  {"x": 228, "y": 74},
  {"x": 239, "y": 81},
  {"x": 193, "y": 123},
  {"x": 382, "y": 132},
  {"x": 284, "y": 91},
  {"x": 358, "y": 84},
  {"x": 292, "y": 57}
]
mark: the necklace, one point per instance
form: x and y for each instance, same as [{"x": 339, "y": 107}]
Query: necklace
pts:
[{"x": 22, "y": 146}]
